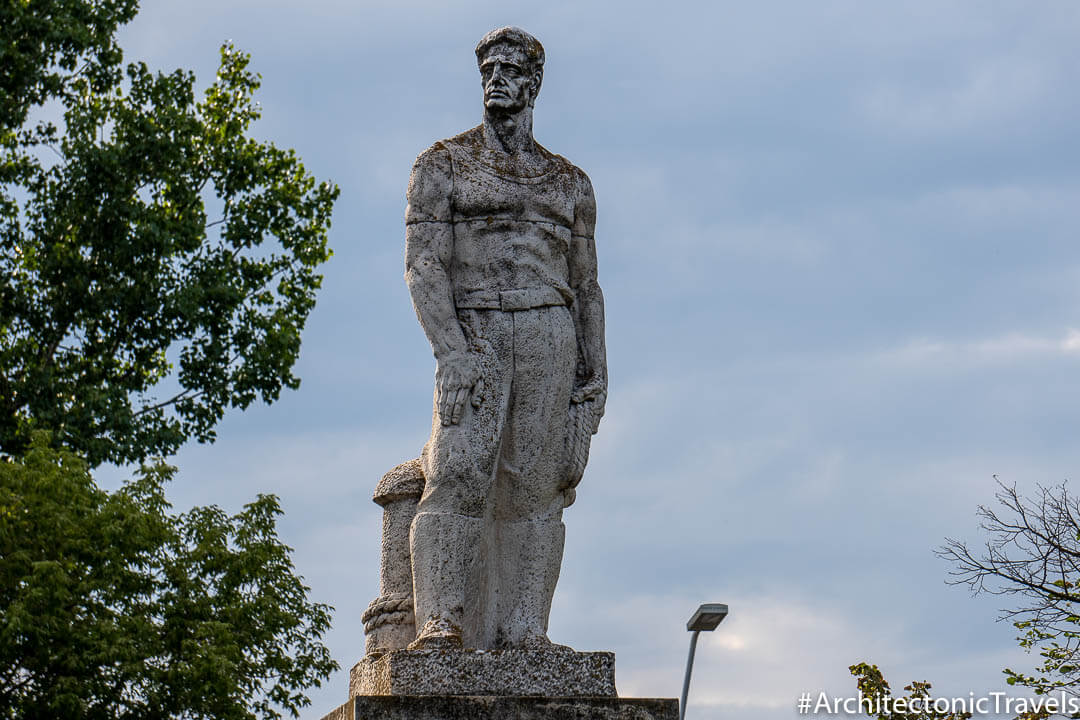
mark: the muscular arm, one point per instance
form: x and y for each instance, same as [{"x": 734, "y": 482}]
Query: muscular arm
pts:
[
  {"x": 589, "y": 299},
  {"x": 429, "y": 246}
]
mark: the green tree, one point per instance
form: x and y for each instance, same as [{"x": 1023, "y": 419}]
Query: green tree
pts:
[
  {"x": 877, "y": 700},
  {"x": 113, "y": 608},
  {"x": 158, "y": 263}
]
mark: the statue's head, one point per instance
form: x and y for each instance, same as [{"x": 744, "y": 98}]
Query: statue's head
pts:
[{"x": 511, "y": 65}]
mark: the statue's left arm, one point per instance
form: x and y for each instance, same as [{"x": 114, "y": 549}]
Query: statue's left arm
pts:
[{"x": 588, "y": 300}]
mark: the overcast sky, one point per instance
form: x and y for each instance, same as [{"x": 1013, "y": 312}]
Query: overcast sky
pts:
[{"x": 838, "y": 244}]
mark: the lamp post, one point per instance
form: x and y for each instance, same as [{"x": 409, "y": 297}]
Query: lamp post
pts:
[{"x": 706, "y": 617}]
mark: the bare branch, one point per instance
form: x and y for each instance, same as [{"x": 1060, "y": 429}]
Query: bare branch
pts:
[{"x": 1032, "y": 550}]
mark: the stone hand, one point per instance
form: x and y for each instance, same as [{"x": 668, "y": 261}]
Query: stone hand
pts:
[
  {"x": 456, "y": 377},
  {"x": 596, "y": 391}
]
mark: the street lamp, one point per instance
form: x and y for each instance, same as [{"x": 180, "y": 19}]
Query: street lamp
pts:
[{"x": 706, "y": 617}]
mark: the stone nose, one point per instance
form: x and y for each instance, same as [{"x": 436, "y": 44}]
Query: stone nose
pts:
[{"x": 497, "y": 74}]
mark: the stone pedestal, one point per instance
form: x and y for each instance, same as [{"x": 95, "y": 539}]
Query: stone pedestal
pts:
[
  {"x": 549, "y": 672},
  {"x": 427, "y": 707},
  {"x": 388, "y": 621}
]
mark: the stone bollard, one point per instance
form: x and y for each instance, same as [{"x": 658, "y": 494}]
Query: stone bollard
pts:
[{"x": 388, "y": 621}]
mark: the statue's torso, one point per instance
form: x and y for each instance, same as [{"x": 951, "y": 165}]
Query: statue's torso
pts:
[{"x": 512, "y": 220}]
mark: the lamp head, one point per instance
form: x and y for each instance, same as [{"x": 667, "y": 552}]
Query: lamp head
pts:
[{"x": 707, "y": 617}]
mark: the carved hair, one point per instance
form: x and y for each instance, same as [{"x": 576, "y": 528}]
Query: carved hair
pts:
[{"x": 534, "y": 51}]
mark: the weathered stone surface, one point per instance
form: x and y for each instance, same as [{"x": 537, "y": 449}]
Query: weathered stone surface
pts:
[
  {"x": 550, "y": 672},
  {"x": 404, "y": 482},
  {"x": 388, "y": 621},
  {"x": 406, "y": 707}
]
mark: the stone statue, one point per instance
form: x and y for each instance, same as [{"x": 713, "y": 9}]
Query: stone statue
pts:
[{"x": 501, "y": 265}]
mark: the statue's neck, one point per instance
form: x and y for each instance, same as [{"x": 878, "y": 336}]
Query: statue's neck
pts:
[{"x": 509, "y": 133}]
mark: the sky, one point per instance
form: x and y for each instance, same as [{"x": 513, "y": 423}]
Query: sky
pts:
[{"x": 838, "y": 246}]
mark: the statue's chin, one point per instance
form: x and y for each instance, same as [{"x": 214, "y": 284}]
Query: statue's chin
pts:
[{"x": 503, "y": 106}]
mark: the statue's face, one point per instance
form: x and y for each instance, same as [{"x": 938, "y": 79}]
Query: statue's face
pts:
[{"x": 508, "y": 87}]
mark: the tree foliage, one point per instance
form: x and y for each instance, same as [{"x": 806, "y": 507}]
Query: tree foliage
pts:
[
  {"x": 876, "y": 698},
  {"x": 113, "y": 608},
  {"x": 1032, "y": 552},
  {"x": 159, "y": 263}
]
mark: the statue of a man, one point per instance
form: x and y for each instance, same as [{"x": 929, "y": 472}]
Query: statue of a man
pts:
[{"x": 501, "y": 265}]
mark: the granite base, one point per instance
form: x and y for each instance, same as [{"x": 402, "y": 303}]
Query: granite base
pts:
[
  {"x": 412, "y": 707},
  {"x": 549, "y": 672}
]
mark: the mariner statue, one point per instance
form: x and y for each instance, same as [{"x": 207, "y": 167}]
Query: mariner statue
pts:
[
  {"x": 501, "y": 265},
  {"x": 500, "y": 262}
]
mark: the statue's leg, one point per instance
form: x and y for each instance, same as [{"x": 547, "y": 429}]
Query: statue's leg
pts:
[
  {"x": 533, "y": 549},
  {"x": 531, "y": 472},
  {"x": 449, "y": 533},
  {"x": 442, "y": 548}
]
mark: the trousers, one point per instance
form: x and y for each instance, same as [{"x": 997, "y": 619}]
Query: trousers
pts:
[
  {"x": 487, "y": 539},
  {"x": 506, "y": 458}
]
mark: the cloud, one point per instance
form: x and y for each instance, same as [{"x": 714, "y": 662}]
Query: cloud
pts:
[
  {"x": 994, "y": 94},
  {"x": 769, "y": 650},
  {"x": 1010, "y": 348}
]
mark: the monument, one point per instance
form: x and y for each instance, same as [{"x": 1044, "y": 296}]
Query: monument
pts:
[{"x": 501, "y": 265}]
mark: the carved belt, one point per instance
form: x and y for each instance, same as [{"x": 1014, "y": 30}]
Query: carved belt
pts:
[{"x": 510, "y": 300}]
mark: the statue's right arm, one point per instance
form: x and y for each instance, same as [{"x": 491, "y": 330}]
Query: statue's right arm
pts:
[{"x": 429, "y": 247}]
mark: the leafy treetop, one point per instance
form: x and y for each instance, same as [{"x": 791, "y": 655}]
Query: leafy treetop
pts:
[
  {"x": 148, "y": 243},
  {"x": 111, "y": 608},
  {"x": 877, "y": 700}
]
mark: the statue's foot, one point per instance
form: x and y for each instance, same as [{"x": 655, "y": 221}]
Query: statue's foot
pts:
[
  {"x": 438, "y": 634},
  {"x": 540, "y": 641}
]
